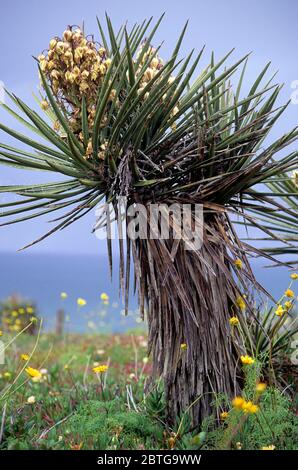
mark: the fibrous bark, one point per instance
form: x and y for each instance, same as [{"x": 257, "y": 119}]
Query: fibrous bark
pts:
[{"x": 190, "y": 296}]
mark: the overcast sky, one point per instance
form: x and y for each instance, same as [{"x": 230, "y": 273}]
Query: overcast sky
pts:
[{"x": 267, "y": 28}]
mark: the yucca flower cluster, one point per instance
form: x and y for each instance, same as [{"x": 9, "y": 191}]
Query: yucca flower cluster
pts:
[
  {"x": 151, "y": 71},
  {"x": 75, "y": 67},
  {"x": 16, "y": 314}
]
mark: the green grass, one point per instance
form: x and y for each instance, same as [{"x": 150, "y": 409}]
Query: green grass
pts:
[{"x": 76, "y": 409}]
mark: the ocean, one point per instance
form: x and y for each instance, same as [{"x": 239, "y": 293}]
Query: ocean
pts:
[{"x": 42, "y": 277}]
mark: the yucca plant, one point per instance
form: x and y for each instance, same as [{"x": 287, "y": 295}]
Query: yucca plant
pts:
[
  {"x": 272, "y": 336},
  {"x": 121, "y": 122}
]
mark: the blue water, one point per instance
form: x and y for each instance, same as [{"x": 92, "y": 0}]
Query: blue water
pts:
[{"x": 42, "y": 277}]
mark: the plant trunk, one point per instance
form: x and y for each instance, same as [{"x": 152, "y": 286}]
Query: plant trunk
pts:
[
  {"x": 196, "y": 375},
  {"x": 190, "y": 297}
]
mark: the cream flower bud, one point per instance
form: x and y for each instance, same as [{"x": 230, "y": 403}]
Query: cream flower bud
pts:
[
  {"x": 107, "y": 62},
  {"x": 85, "y": 74},
  {"x": 60, "y": 47},
  {"x": 55, "y": 74},
  {"x": 77, "y": 36},
  {"x": 51, "y": 65},
  {"x": 154, "y": 63},
  {"x": 43, "y": 65},
  {"x": 44, "y": 105},
  {"x": 149, "y": 74},
  {"x": 102, "y": 69},
  {"x": 53, "y": 43},
  {"x": 84, "y": 86},
  {"x": 56, "y": 126},
  {"x": 101, "y": 51},
  {"x": 51, "y": 54},
  {"x": 67, "y": 35},
  {"x": 69, "y": 76}
]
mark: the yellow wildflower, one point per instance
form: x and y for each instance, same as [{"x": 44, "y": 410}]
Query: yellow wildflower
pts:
[
  {"x": 7, "y": 375},
  {"x": 247, "y": 360},
  {"x": 279, "y": 311},
  {"x": 25, "y": 357},
  {"x": 63, "y": 295},
  {"x": 271, "y": 447},
  {"x": 250, "y": 407},
  {"x": 238, "y": 263},
  {"x": 261, "y": 387},
  {"x": 100, "y": 369},
  {"x": 183, "y": 346},
  {"x": 33, "y": 373},
  {"x": 33, "y": 320},
  {"x": 253, "y": 409},
  {"x": 30, "y": 310},
  {"x": 234, "y": 321},
  {"x": 289, "y": 293},
  {"x": 1, "y": 333},
  {"x": 288, "y": 305},
  {"x": 294, "y": 276},
  {"x": 21, "y": 310},
  {"x": 104, "y": 296},
  {"x": 15, "y": 328},
  {"x": 238, "y": 403},
  {"x": 224, "y": 415},
  {"x": 240, "y": 302},
  {"x": 81, "y": 302}
]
